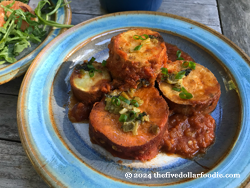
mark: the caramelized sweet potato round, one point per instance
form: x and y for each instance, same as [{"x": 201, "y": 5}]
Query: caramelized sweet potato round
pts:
[
  {"x": 132, "y": 60},
  {"x": 201, "y": 83},
  {"x": 105, "y": 128},
  {"x": 88, "y": 89}
]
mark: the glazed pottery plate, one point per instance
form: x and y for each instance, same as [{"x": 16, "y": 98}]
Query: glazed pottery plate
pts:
[
  {"x": 10, "y": 71},
  {"x": 62, "y": 153}
]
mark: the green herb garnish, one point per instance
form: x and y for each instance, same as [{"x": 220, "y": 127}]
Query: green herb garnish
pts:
[
  {"x": 137, "y": 47},
  {"x": 124, "y": 99},
  {"x": 134, "y": 102},
  {"x": 88, "y": 67},
  {"x": 164, "y": 71},
  {"x": 178, "y": 54},
  {"x": 123, "y": 118},
  {"x": 140, "y": 116},
  {"x": 180, "y": 75},
  {"x": 189, "y": 64},
  {"x": 91, "y": 73},
  {"x": 92, "y": 60},
  {"x": 185, "y": 64},
  {"x": 131, "y": 115},
  {"x": 184, "y": 94},
  {"x": 176, "y": 89},
  {"x": 137, "y": 37},
  {"x": 231, "y": 85},
  {"x": 115, "y": 101},
  {"x": 91, "y": 68},
  {"x": 104, "y": 63},
  {"x": 192, "y": 65}
]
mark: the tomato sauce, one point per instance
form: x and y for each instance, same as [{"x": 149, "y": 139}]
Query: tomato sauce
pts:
[
  {"x": 172, "y": 50},
  {"x": 189, "y": 135},
  {"x": 78, "y": 111}
]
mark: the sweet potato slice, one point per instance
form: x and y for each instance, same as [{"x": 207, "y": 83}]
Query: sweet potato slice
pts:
[
  {"x": 201, "y": 83},
  {"x": 105, "y": 128},
  {"x": 86, "y": 89},
  {"x": 132, "y": 59}
]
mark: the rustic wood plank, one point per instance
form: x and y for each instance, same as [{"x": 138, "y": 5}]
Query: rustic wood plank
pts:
[
  {"x": 16, "y": 169},
  {"x": 8, "y": 121},
  {"x": 204, "y": 13},
  {"x": 11, "y": 87},
  {"x": 234, "y": 15},
  {"x": 78, "y": 18},
  {"x": 201, "y": 2},
  {"x": 248, "y": 185},
  {"x": 92, "y": 7},
  {"x": 215, "y": 27}
]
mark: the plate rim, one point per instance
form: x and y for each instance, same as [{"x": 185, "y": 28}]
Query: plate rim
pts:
[{"x": 24, "y": 141}]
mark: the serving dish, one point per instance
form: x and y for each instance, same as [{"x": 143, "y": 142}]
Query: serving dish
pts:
[
  {"x": 10, "y": 71},
  {"x": 62, "y": 153}
]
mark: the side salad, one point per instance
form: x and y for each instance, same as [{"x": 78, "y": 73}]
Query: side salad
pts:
[{"x": 22, "y": 27}]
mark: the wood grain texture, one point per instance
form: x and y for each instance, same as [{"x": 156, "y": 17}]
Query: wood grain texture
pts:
[
  {"x": 200, "y": 11},
  {"x": 78, "y": 18},
  {"x": 16, "y": 169},
  {"x": 8, "y": 121},
  {"x": 11, "y": 87},
  {"x": 92, "y": 7},
  {"x": 201, "y": 2},
  {"x": 248, "y": 185},
  {"x": 235, "y": 21},
  {"x": 205, "y": 14}
]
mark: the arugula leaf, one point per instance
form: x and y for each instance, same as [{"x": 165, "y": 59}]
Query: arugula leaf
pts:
[
  {"x": 48, "y": 22},
  {"x": 13, "y": 39},
  {"x": 7, "y": 54},
  {"x": 20, "y": 46},
  {"x": 58, "y": 4},
  {"x": 2, "y": 30},
  {"x": 2, "y": 45}
]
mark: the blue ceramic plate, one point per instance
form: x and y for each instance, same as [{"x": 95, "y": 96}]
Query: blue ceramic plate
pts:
[
  {"x": 62, "y": 153},
  {"x": 10, "y": 71}
]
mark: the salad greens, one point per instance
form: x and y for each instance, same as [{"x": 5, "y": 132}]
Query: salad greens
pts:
[{"x": 13, "y": 39}]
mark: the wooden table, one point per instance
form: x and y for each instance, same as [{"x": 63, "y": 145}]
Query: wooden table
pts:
[{"x": 229, "y": 17}]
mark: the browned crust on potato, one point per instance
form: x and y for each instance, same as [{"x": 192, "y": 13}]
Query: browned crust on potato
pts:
[
  {"x": 204, "y": 103},
  {"x": 130, "y": 71},
  {"x": 105, "y": 128},
  {"x": 95, "y": 93},
  {"x": 203, "y": 106}
]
